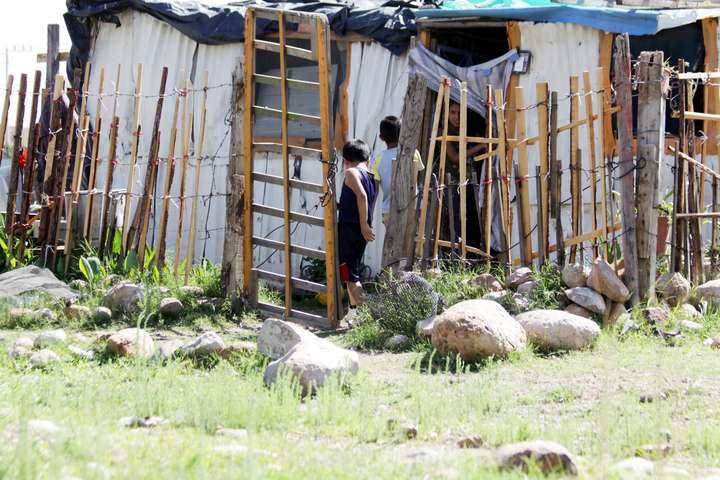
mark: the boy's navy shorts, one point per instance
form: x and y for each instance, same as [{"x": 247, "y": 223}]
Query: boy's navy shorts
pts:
[{"x": 351, "y": 247}]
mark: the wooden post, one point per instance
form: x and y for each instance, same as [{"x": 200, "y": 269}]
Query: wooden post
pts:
[
  {"x": 504, "y": 247},
  {"x": 694, "y": 204},
  {"x": 187, "y": 128},
  {"x": 575, "y": 193},
  {"x": 502, "y": 146},
  {"x": 601, "y": 155},
  {"x": 3, "y": 119},
  {"x": 559, "y": 233},
  {"x": 542, "y": 246},
  {"x": 412, "y": 218},
  {"x": 108, "y": 187},
  {"x": 402, "y": 197},
  {"x": 650, "y": 142},
  {"x": 522, "y": 178},
  {"x": 704, "y": 152},
  {"x": 80, "y": 159},
  {"x": 92, "y": 178},
  {"x": 555, "y": 193},
  {"x": 72, "y": 205},
  {"x": 53, "y": 55},
  {"x": 133, "y": 160},
  {"x": 425, "y": 255},
  {"x": 544, "y": 134},
  {"x": 626, "y": 165},
  {"x": 171, "y": 162},
  {"x": 29, "y": 172},
  {"x": 611, "y": 187},
  {"x": 591, "y": 154},
  {"x": 15, "y": 170},
  {"x": 581, "y": 226},
  {"x": 451, "y": 217},
  {"x": 47, "y": 201},
  {"x": 462, "y": 159},
  {"x": 249, "y": 101},
  {"x": 676, "y": 236},
  {"x": 714, "y": 230},
  {"x": 488, "y": 173},
  {"x": 523, "y": 234},
  {"x": 441, "y": 176}
]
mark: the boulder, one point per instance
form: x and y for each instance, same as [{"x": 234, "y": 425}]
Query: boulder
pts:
[
  {"x": 432, "y": 274},
  {"x": 192, "y": 291},
  {"x": 576, "y": 309},
  {"x": 636, "y": 465},
  {"x": 617, "y": 312},
  {"x": 313, "y": 361},
  {"x": 398, "y": 341},
  {"x": 485, "y": 282},
  {"x": 101, "y": 315},
  {"x": 131, "y": 342},
  {"x": 113, "y": 279},
  {"x": 77, "y": 312},
  {"x": 425, "y": 327},
  {"x": 78, "y": 284},
  {"x": 167, "y": 350},
  {"x": 688, "y": 311},
  {"x": 23, "y": 342},
  {"x": 51, "y": 337},
  {"x": 708, "y": 291},
  {"x": 206, "y": 344},
  {"x": 241, "y": 348},
  {"x": 588, "y": 298},
  {"x": 87, "y": 354},
  {"x": 575, "y": 275},
  {"x": 44, "y": 315},
  {"x": 556, "y": 330},
  {"x": 477, "y": 329},
  {"x": 527, "y": 287},
  {"x": 19, "y": 313},
  {"x": 549, "y": 456},
  {"x": 171, "y": 307},
  {"x": 40, "y": 427},
  {"x": 519, "y": 303},
  {"x": 124, "y": 296},
  {"x": 276, "y": 337},
  {"x": 673, "y": 288},
  {"x": 19, "y": 352},
  {"x": 690, "y": 325},
  {"x": 603, "y": 279},
  {"x": 44, "y": 357},
  {"x": 496, "y": 296},
  {"x": 519, "y": 276},
  {"x": 14, "y": 283},
  {"x": 656, "y": 315}
]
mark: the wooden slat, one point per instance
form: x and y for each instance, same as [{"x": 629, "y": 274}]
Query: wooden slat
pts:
[
  {"x": 469, "y": 248},
  {"x": 523, "y": 183},
  {"x": 575, "y": 193},
  {"x": 296, "y": 282},
  {"x": 694, "y": 162},
  {"x": 698, "y": 76},
  {"x": 463, "y": 170},
  {"x": 292, "y": 51},
  {"x": 15, "y": 169},
  {"x": 286, "y": 168},
  {"x": 591, "y": 154},
  {"x": 503, "y": 186},
  {"x": 297, "y": 316},
  {"x": 299, "y": 184},
  {"x": 249, "y": 290},
  {"x": 292, "y": 150},
  {"x": 294, "y": 249},
  {"x": 456, "y": 138},
  {"x": 294, "y": 216},
  {"x": 291, "y": 116},
  {"x": 288, "y": 17},
  {"x": 276, "y": 81},
  {"x": 699, "y": 215},
  {"x": 92, "y": 178},
  {"x": 133, "y": 160},
  {"x": 3, "y": 119},
  {"x": 544, "y": 140},
  {"x": 443, "y": 159},
  {"x": 702, "y": 116},
  {"x": 599, "y": 75}
]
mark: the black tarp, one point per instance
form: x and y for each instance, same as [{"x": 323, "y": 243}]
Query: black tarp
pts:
[{"x": 391, "y": 24}]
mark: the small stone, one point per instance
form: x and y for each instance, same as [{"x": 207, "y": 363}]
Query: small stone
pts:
[
  {"x": 549, "y": 456},
  {"x": 231, "y": 449},
  {"x": 475, "y": 441},
  {"x": 101, "y": 315},
  {"x": 636, "y": 465},
  {"x": 656, "y": 316},
  {"x": 709, "y": 342},
  {"x": 51, "y": 337},
  {"x": 124, "y": 296},
  {"x": 192, "y": 291},
  {"x": 576, "y": 309},
  {"x": 19, "y": 313},
  {"x": 425, "y": 327},
  {"x": 653, "y": 451},
  {"x": 650, "y": 397},
  {"x": 688, "y": 311},
  {"x": 398, "y": 341},
  {"x": 432, "y": 274},
  {"x": 171, "y": 307},
  {"x": 617, "y": 312},
  {"x": 407, "y": 429},
  {"x": 131, "y": 342},
  {"x": 78, "y": 284},
  {"x": 22, "y": 342},
  {"x": 167, "y": 350},
  {"x": 588, "y": 298},
  {"x": 519, "y": 276},
  {"x": 690, "y": 326},
  {"x": 134, "y": 422},
  {"x": 496, "y": 296},
  {"x": 88, "y": 354},
  {"x": 42, "y": 426},
  {"x": 80, "y": 338},
  {"x": 206, "y": 344},
  {"x": 527, "y": 287},
  {"x": 22, "y": 352},
  {"x": 112, "y": 280},
  {"x": 485, "y": 282},
  {"x": 673, "y": 288},
  {"x": 44, "y": 357},
  {"x": 604, "y": 280},
  {"x": 44, "y": 315},
  {"x": 231, "y": 432},
  {"x": 519, "y": 303},
  {"x": 211, "y": 302},
  {"x": 238, "y": 348},
  {"x": 575, "y": 275},
  {"x": 77, "y": 312}
]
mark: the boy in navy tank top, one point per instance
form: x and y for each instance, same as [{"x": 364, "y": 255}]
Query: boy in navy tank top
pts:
[{"x": 355, "y": 219}]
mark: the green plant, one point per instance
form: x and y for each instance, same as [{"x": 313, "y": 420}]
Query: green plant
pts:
[{"x": 666, "y": 209}]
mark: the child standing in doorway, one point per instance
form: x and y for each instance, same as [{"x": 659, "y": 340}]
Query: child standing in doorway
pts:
[{"x": 357, "y": 198}]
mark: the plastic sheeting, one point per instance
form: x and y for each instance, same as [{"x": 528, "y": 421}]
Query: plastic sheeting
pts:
[{"x": 495, "y": 72}]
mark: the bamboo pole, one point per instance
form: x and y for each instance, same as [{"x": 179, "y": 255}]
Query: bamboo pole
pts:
[
  {"x": 463, "y": 170},
  {"x": 591, "y": 155},
  {"x": 522, "y": 177},
  {"x": 187, "y": 128},
  {"x": 108, "y": 186},
  {"x": 133, "y": 161},
  {"x": 601, "y": 155},
  {"x": 80, "y": 159},
  {"x": 575, "y": 193},
  {"x": 196, "y": 198},
  {"x": 488, "y": 173},
  {"x": 504, "y": 193},
  {"x": 15, "y": 171},
  {"x": 703, "y": 154},
  {"x": 29, "y": 171},
  {"x": 92, "y": 178},
  {"x": 542, "y": 246},
  {"x": 5, "y": 110},
  {"x": 544, "y": 134},
  {"x": 161, "y": 245},
  {"x": 47, "y": 200},
  {"x": 73, "y": 204},
  {"x": 441, "y": 176}
]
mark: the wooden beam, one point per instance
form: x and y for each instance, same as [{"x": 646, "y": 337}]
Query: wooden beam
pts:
[
  {"x": 133, "y": 160},
  {"x": 61, "y": 57},
  {"x": 543, "y": 99}
]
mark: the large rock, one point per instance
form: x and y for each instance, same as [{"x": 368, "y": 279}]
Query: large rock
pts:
[
  {"x": 44, "y": 357},
  {"x": 22, "y": 342},
  {"x": 425, "y": 327},
  {"x": 603, "y": 279},
  {"x": 206, "y": 344},
  {"x": 656, "y": 315},
  {"x": 17, "y": 314},
  {"x": 485, "y": 282},
  {"x": 519, "y": 276},
  {"x": 167, "y": 350},
  {"x": 101, "y": 315},
  {"x": 588, "y": 298},
  {"x": 688, "y": 311},
  {"x": 519, "y": 303},
  {"x": 77, "y": 312},
  {"x": 477, "y": 329},
  {"x": 131, "y": 342},
  {"x": 171, "y": 307},
  {"x": 313, "y": 361},
  {"x": 549, "y": 456},
  {"x": 276, "y": 338},
  {"x": 617, "y": 312},
  {"x": 709, "y": 291},
  {"x": 191, "y": 290},
  {"x": 125, "y": 296},
  {"x": 15, "y": 283},
  {"x": 527, "y": 287},
  {"x": 555, "y": 330},
  {"x": 576, "y": 309},
  {"x": 575, "y": 275},
  {"x": 673, "y": 288},
  {"x": 690, "y": 325},
  {"x": 51, "y": 337},
  {"x": 44, "y": 315},
  {"x": 22, "y": 352}
]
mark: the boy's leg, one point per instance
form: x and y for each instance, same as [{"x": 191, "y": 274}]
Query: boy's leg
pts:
[{"x": 355, "y": 291}]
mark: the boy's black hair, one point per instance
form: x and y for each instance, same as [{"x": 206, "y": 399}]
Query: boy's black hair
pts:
[
  {"x": 356, "y": 151},
  {"x": 390, "y": 129}
]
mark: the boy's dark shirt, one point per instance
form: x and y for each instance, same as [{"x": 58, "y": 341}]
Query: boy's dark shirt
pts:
[{"x": 348, "y": 211}]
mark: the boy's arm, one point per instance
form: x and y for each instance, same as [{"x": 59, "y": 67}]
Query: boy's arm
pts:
[
  {"x": 375, "y": 170},
  {"x": 352, "y": 180}
]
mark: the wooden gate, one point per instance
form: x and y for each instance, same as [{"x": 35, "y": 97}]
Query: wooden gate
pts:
[{"x": 319, "y": 52}]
